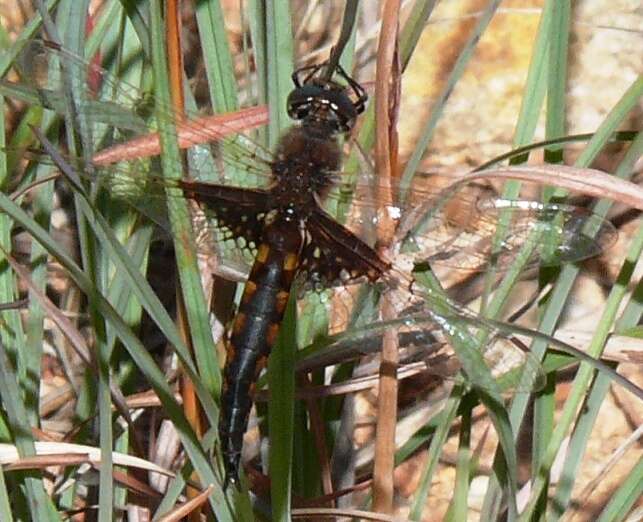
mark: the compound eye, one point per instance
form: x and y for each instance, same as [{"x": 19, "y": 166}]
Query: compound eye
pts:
[
  {"x": 298, "y": 111},
  {"x": 343, "y": 108},
  {"x": 301, "y": 101}
]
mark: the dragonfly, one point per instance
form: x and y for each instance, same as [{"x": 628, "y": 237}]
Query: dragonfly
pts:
[{"x": 270, "y": 213}]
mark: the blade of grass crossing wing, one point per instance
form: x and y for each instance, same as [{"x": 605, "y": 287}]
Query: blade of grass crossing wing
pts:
[
  {"x": 279, "y": 68},
  {"x": 545, "y": 401},
  {"x": 556, "y": 114},
  {"x": 185, "y": 249}
]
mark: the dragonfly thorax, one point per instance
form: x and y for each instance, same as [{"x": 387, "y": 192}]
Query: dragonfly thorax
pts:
[{"x": 304, "y": 168}]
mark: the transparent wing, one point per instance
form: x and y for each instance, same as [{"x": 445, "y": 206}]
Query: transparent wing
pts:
[
  {"x": 469, "y": 227},
  {"x": 425, "y": 350},
  {"x": 495, "y": 232},
  {"x": 119, "y": 111}
]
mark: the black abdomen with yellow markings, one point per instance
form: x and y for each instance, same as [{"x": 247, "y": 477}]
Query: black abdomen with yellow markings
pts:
[{"x": 255, "y": 331}]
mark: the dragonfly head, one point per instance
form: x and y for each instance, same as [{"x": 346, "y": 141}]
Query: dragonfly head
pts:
[{"x": 326, "y": 104}]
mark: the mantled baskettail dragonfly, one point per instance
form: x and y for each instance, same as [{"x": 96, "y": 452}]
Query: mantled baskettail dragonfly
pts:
[{"x": 276, "y": 219}]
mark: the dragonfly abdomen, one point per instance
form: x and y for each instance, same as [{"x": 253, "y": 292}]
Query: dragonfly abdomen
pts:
[{"x": 254, "y": 332}]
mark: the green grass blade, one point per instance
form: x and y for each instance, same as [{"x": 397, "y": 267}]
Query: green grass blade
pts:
[
  {"x": 281, "y": 377},
  {"x": 435, "y": 450},
  {"x": 184, "y": 244},
  {"x": 557, "y": 78},
  {"x": 577, "y": 447},
  {"x": 413, "y": 27},
  {"x": 279, "y": 65},
  {"x": 558, "y": 52},
  {"x": 5, "y": 508},
  {"x": 625, "y": 497},
  {"x": 459, "y": 501},
  {"x": 218, "y": 60}
]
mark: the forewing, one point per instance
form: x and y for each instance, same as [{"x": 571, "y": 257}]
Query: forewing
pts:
[
  {"x": 117, "y": 112},
  {"x": 496, "y": 232},
  {"x": 470, "y": 228}
]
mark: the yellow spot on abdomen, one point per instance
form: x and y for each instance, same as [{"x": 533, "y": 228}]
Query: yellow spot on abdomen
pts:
[
  {"x": 273, "y": 332},
  {"x": 239, "y": 323},
  {"x": 290, "y": 262},
  {"x": 262, "y": 253},
  {"x": 249, "y": 291}
]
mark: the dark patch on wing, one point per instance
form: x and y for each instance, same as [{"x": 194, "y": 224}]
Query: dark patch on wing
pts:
[
  {"x": 335, "y": 256},
  {"x": 232, "y": 221},
  {"x": 239, "y": 212}
]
